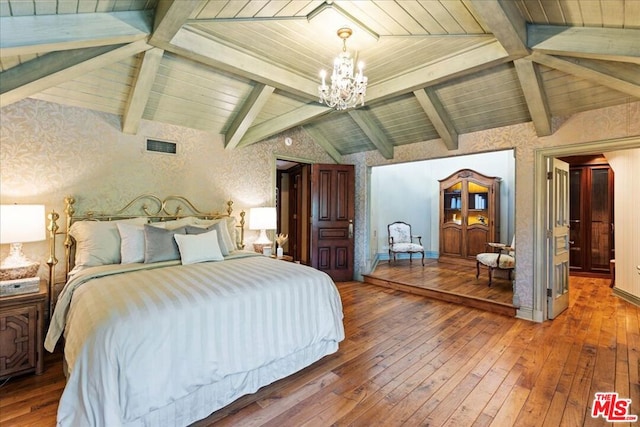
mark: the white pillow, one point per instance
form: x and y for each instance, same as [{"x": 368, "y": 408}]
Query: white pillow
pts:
[
  {"x": 196, "y": 248},
  {"x": 98, "y": 242},
  {"x": 231, "y": 227},
  {"x": 227, "y": 232},
  {"x": 131, "y": 242},
  {"x": 177, "y": 223}
]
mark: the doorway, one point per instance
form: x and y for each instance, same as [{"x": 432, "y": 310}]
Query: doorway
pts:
[
  {"x": 591, "y": 202},
  {"x": 293, "y": 205},
  {"x": 541, "y": 282}
]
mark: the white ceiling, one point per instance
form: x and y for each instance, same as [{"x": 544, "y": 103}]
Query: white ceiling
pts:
[{"x": 250, "y": 69}]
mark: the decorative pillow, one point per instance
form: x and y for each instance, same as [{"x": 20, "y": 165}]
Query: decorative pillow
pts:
[
  {"x": 131, "y": 243},
  {"x": 159, "y": 244},
  {"x": 219, "y": 227},
  {"x": 98, "y": 242},
  {"x": 231, "y": 228},
  {"x": 228, "y": 232},
  {"x": 199, "y": 247}
]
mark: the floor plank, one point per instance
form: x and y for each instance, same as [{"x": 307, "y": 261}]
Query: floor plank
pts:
[
  {"x": 411, "y": 360},
  {"x": 447, "y": 281}
]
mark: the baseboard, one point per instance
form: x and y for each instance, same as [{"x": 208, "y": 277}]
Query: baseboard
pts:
[
  {"x": 384, "y": 256},
  {"x": 630, "y": 298},
  {"x": 528, "y": 313}
]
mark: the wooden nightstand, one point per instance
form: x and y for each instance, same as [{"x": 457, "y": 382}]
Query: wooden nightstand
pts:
[
  {"x": 21, "y": 332},
  {"x": 283, "y": 258}
]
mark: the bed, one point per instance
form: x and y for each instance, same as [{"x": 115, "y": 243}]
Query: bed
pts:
[{"x": 160, "y": 341}]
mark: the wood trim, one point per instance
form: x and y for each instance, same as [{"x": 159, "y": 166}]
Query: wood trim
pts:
[
  {"x": 438, "y": 116},
  {"x": 27, "y": 35},
  {"x": 442, "y": 295},
  {"x": 534, "y": 94},
  {"x": 139, "y": 95}
]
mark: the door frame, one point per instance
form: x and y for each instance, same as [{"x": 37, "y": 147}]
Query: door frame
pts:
[
  {"x": 274, "y": 170},
  {"x": 540, "y": 205}
]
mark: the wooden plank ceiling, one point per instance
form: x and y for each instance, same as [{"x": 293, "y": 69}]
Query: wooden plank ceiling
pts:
[{"x": 250, "y": 69}]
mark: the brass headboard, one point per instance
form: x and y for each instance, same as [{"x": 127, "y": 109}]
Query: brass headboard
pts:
[{"x": 149, "y": 206}]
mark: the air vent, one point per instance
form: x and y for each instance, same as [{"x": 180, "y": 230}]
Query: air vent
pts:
[{"x": 164, "y": 147}]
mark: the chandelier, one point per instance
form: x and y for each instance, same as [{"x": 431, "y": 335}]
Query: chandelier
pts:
[{"x": 346, "y": 90}]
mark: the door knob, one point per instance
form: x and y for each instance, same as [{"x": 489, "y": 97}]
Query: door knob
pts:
[{"x": 351, "y": 229}]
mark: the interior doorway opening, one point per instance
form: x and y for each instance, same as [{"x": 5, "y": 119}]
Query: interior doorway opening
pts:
[
  {"x": 591, "y": 210},
  {"x": 542, "y": 280},
  {"x": 293, "y": 206}
]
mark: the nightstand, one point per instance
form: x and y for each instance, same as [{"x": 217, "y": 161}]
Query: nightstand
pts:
[
  {"x": 283, "y": 258},
  {"x": 21, "y": 332}
]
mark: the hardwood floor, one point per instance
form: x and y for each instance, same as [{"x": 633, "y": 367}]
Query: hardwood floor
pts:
[
  {"x": 448, "y": 281},
  {"x": 409, "y": 360}
]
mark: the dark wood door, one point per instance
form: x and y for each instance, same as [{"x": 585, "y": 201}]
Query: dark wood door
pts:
[
  {"x": 332, "y": 219},
  {"x": 591, "y": 207}
]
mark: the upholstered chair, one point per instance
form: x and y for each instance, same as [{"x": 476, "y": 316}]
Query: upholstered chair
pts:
[
  {"x": 402, "y": 241},
  {"x": 503, "y": 259}
]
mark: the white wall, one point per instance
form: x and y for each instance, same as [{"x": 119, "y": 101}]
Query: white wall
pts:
[
  {"x": 626, "y": 168},
  {"x": 409, "y": 192}
]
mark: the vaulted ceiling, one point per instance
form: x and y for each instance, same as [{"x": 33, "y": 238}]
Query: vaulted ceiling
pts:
[{"x": 250, "y": 69}]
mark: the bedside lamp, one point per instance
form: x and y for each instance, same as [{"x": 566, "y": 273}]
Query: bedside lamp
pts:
[
  {"x": 262, "y": 219},
  {"x": 20, "y": 224}
]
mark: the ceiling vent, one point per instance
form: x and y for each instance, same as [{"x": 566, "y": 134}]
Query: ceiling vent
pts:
[{"x": 164, "y": 147}]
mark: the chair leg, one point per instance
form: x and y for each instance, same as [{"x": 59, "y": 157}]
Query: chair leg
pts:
[
  {"x": 490, "y": 275},
  {"x": 477, "y": 269},
  {"x": 410, "y": 257},
  {"x": 389, "y": 256},
  {"x": 423, "y": 258}
]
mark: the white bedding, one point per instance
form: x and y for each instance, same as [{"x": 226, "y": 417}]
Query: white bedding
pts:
[{"x": 168, "y": 344}]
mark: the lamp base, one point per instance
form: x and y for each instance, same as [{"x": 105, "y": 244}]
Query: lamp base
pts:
[
  {"x": 22, "y": 272},
  {"x": 16, "y": 265}
]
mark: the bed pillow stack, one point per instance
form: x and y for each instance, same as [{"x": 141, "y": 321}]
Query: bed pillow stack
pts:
[{"x": 135, "y": 241}]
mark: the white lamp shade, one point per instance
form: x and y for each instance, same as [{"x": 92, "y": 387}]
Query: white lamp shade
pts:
[
  {"x": 262, "y": 219},
  {"x": 22, "y": 223}
]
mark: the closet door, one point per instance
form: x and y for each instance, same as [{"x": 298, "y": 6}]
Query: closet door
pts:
[
  {"x": 601, "y": 219},
  {"x": 576, "y": 213},
  {"x": 591, "y": 219}
]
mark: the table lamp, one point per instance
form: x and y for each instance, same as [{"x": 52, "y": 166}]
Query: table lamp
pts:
[
  {"x": 20, "y": 224},
  {"x": 262, "y": 219}
]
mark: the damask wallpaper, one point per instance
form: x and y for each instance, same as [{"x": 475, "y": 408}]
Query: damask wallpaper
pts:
[{"x": 49, "y": 151}]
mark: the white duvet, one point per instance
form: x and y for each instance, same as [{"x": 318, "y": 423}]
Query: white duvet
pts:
[{"x": 169, "y": 344}]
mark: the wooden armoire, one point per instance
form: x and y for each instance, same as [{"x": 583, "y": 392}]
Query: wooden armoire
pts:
[{"x": 469, "y": 214}]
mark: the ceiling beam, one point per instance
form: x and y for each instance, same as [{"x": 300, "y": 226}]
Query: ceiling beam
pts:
[
  {"x": 506, "y": 23},
  {"x": 570, "y": 66},
  {"x": 434, "y": 109},
  {"x": 324, "y": 143},
  {"x": 457, "y": 64},
  {"x": 222, "y": 57},
  {"x": 534, "y": 95},
  {"x": 28, "y": 35},
  {"x": 170, "y": 16},
  {"x": 141, "y": 90},
  {"x": 247, "y": 114},
  {"x": 55, "y": 68},
  {"x": 375, "y": 134},
  {"x": 611, "y": 44},
  {"x": 297, "y": 117},
  {"x": 460, "y": 63}
]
